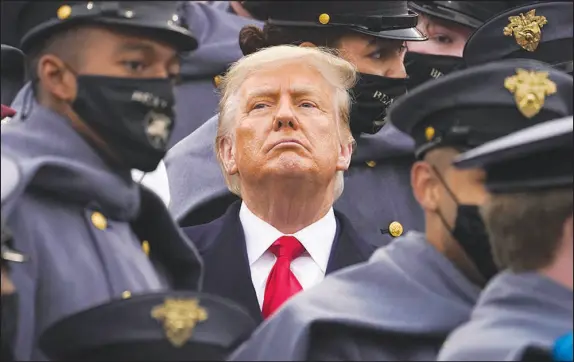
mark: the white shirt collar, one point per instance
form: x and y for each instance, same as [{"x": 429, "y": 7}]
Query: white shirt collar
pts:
[{"x": 317, "y": 238}]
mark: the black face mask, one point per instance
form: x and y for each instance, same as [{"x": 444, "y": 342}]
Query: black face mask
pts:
[
  {"x": 9, "y": 304},
  {"x": 470, "y": 232},
  {"x": 134, "y": 117},
  {"x": 423, "y": 67},
  {"x": 372, "y": 96}
]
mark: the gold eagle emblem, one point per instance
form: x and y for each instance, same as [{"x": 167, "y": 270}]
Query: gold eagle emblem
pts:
[
  {"x": 530, "y": 89},
  {"x": 179, "y": 317},
  {"x": 527, "y": 29}
]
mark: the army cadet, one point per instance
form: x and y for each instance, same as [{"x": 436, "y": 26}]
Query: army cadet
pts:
[
  {"x": 163, "y": 326},
  {"x": 402, "y": 304},
  {"x": 101, "y": 103},
  {"x": 541, "y": 31},
  {"x": 369, "y": 34},
  {"x": 448, "y": 25},
  {"x": 530, "y": 302}
]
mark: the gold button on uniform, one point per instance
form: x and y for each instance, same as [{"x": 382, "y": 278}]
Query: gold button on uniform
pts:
[
  {"x": 64, "y": 12},
  {"x": 324, "y": 19},
  {"x": 127, "y": 294},
  {"x": 145, "y": 247},
  {"x": 99, "y": 220},
  {"x": 395, "y": 229},
  {"x": 371, "y": 163},
  {"x": 217, "y": 80}
]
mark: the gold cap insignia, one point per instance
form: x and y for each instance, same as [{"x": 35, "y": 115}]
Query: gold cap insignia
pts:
[
  {"x": 64, "y": 12},
  {"x": 530, "y": 89},
  {"x": 526, "y": 29},
  {"x": 395, "y": 229},
  {"x": 179, "y": 317},
  {"x": 429, "y": 133},
  {"x": 324, "y": 19}
]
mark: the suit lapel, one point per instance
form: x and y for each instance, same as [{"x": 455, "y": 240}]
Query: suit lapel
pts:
[
  {"x": 227, "y": 272},
  {"x": 348, "y": 247}
]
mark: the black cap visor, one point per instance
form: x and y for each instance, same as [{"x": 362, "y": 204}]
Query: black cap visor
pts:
[{"x": 179, "y": 37}]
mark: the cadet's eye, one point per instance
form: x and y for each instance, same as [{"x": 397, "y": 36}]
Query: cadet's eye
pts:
[
  {"x": 443, "y": 39},
  {"x": 134, "y": 65}
]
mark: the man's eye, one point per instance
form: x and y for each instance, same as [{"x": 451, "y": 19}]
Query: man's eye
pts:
[
  {"x": 307, "y": 105},
  {"x": 443, "y": 39},
  {"x": 134, "y": 66},
  {"x": 259, "y": 106}
]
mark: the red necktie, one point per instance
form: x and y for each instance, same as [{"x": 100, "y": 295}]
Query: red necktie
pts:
[{"x": 282, "y": 283}]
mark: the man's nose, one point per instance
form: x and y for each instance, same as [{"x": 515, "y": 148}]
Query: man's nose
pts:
[
  {"x": 396, "y": 68},
  {"x": 285, "y": 117}
]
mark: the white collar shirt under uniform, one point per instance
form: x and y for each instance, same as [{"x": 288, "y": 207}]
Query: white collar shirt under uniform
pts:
[{"x": 309, "y": 268}]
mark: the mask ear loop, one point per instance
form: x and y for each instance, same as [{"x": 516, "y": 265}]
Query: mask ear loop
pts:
[{"x": 438, "y": 212}]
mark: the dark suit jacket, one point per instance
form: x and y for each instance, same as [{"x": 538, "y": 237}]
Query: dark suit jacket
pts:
[{"x": 227, "y": 273}]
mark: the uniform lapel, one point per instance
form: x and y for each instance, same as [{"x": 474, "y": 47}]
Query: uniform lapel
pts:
[
  {"x": 227, "y": 272},
  {"x": 348, "y": 247}
]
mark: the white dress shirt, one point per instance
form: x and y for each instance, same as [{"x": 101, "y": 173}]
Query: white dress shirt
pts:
[{"x": 309, "y": 268}]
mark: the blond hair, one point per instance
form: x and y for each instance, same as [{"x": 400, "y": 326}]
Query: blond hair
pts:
[{"x": 341, "y": 74}]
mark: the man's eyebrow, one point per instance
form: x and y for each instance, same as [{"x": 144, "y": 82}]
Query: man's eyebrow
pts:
[{"x": 299, "y": 90}]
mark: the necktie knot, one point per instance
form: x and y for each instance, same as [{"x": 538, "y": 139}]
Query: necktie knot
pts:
[{"x": 287, "y": 247}]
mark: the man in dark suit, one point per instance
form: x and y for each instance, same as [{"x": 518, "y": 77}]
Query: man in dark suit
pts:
[{"x": 283, "y": 143}]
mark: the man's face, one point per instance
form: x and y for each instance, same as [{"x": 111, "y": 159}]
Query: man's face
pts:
[
  {"x": 444, "y": 37},
  {"x": 287, "y": 125},
  {"x": 375, "y": 56}
]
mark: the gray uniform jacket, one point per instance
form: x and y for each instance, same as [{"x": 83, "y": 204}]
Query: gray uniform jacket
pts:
[
  {"x": 377, "y": 185},
  {"x": 82, "y": 226},
  {"x": 216, "y": 29},
  {"x": 398, "y": 306},
  {"x": 513, "y": 312}
]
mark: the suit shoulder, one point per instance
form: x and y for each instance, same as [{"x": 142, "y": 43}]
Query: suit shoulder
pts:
[
  {"x": 366, "y": 248},
  {"x": 202, "y": 235}
]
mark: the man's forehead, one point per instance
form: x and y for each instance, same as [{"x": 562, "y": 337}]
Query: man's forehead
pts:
[{"x": 276, "y": 81}]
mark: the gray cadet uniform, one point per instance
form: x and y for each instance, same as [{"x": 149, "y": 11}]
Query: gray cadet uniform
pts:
[
  {"x": 216, "y": 28},
  {"x": 377, "y": 198},
  {"x": 403, "y": 303},
  {"x": 517, "y": 310},
  {"x": 81, "y": 223}
]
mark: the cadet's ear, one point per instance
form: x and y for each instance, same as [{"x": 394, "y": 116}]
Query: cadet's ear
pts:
[
  {"x": 227, "y": 154},
  {"x": 424, "y": 185},
  {"x": 56, "y": 79}
]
